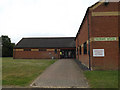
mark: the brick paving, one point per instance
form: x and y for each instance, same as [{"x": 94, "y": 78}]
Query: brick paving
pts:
[{"x": 64, "y": 73}]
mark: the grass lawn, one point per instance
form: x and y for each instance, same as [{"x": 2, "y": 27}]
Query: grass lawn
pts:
[
  {"x": 21, "y": 72},
  {"x": 102, "y": 79}
]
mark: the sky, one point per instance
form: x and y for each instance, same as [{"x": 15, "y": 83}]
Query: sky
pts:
[{"x": 41, "y": 18}]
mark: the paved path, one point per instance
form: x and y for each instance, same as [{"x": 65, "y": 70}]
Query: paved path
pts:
[{"x": 64, "y": 73}]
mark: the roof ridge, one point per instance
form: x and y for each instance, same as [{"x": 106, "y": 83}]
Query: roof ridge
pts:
[
  {"x": 48, "y": 37},
  {"x": 53, "y": 42}
]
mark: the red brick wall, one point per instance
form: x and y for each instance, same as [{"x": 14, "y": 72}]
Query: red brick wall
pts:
[
  {"x": 76, "y": 48},
  {"x": 110, "y": 60},
  {"x": 82, "y": 38},
  {"x": 112, "y": 6},
  {"x": 105, "y": 26},
  {"x": 101, "y": 26},
  {"x": 36, "y": 54}
]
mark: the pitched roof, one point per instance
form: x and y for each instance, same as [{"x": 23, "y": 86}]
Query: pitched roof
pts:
[
  {"x": 97, "y": 4},
  {"x": 46, "y": 42}
]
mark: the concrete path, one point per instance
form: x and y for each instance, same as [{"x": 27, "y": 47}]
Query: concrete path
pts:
[{"x": 64, "y": 73}]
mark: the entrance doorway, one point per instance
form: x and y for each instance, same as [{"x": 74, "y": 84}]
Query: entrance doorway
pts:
[{"x": 67, "y": 53}]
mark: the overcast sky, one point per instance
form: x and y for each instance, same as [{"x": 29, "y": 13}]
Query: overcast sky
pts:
[{"x": 41, "y": 18}]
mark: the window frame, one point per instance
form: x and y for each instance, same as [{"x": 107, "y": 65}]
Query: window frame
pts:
[
  {"x": 85, "y": 47},
  {"x": 55, "y": 51},
  {"x": 27, "y": 49},
  {"x": 80, "y": 50},
  {"x": 41, "y": 49}
]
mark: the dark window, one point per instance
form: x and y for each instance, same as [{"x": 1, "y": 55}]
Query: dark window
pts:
[
  {"x": 80, "y": 50},
  {"x": 42, "y": 49},
  {"x": 27, "y": 49},
  {"x": 85, "y": 48},
  {"x": 55, "y": 51}
]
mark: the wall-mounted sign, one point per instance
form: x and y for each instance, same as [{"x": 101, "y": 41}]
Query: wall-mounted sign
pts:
[
  {"x": 98, "y": 53},
  {"x": 105, "y": 38}
]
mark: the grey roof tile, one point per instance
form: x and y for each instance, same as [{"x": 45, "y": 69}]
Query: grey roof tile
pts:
[{"x": 46, "y": 42}]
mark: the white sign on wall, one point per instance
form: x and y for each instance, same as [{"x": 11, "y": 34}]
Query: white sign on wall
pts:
[{"x": 98, "y": 53}]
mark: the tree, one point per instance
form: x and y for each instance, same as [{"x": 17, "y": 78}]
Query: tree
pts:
[{"x": 7, "y": 47}]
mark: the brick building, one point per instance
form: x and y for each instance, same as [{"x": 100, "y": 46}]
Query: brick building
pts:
[
  {"x": 97, "y": 40},
  {"x": 45, "y": 48}
]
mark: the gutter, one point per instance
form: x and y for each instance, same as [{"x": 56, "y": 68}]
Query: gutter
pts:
[{"x": 88, "y": 40}]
